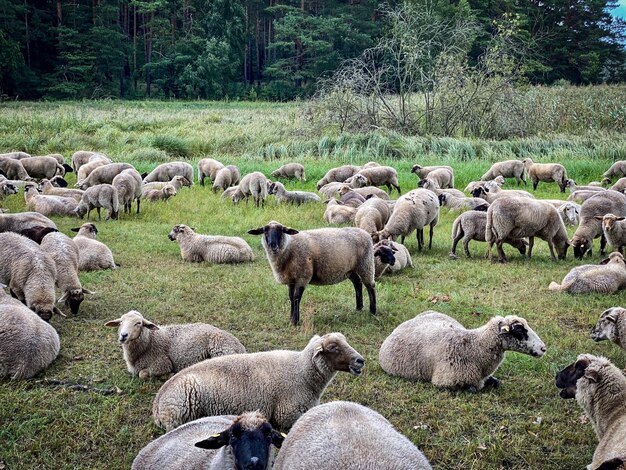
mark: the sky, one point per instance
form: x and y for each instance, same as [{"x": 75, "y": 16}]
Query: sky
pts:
[{"x": 620, "y": 10}]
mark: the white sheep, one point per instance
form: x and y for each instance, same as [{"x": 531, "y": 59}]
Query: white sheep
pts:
[
  {"x": 129, "y": 187},
  {"x": 616, "y": 169},
  {"x": 290, "y": 171},
  {"x": 213, "y": 249},
  {"x": 177, "y": 181},
  {"x": 338, "y": 175},
  {"x": 422, "y": 171},
  {"x": 338, "y": 213},
  {"x": 97, "y": 197},
  {"x": 614, "y": 229},
  {"x": 570, "y": 213},
  {"x": 166, "y": 171},
  {"x": 163, "y": 194},
  {"x": 607, "y": 277},
  {"x": 454, "y": 203},
  {"x": 291, "y": 197},
  {"x": 394, "y": 260},
  {"x": 49, "y": 205},
  {"x": 611, "y": 326},
  {"x": 492, "y": 191},
  {"x": 254, "y": 184},
  {"x": 48, "y": 189},
  {"x": 547, "y": 172},
  {"x": 506, "y": 169},
  {"x": 208, "y": 168},
  {"x": 23, "y": 220},
  {"x": 103, "y": 174},
  {"x": 95, "y": 162},
  {"x": 93, "y": 255},
  {"x": 372, "y": 215}
]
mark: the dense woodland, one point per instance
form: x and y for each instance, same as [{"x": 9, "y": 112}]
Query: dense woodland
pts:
[{"x": 265, "y": 49}]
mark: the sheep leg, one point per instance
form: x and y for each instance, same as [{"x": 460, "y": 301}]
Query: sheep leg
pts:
[
  {"x": 501, "y": 255},
  {"x": 295, "y": 295},
  {"x": 535, "y": 184},
  {"x": 551, "y": 246},
  {"x": 602, "y": 245},
  {"x": 371, "y": 293},
  {"x": 419, "y": 234},
  {"x": 430, "y": 241},
  {"x": 456, "y": 240},
  {"x": 388, "y": 188},
  {"x": 99, "y": 215},
  {"x": 531, "y": 243},
  {"x": 466, "y": 241},
  {"x": 491, "y": 381},
  {"x": 358, "y": 289},
  {"x": 138, "y": 201}
]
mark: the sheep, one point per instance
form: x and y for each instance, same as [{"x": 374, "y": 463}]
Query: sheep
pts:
[
  {"x": 607, "y": 277},
  {"x": 207, "y": 167},
  {"x": 213, "y": 249},
  {"x": 13, "y": 169},
  {"x": 472, "y": 185},
  {"x": 48, "y": 205},
  {"x": 436, "y": 348},
  {"x": 164, "y": 194},
  {"x": 7, "y": 189},
  {"x": 600, "y": 389},
  {"x": 103, "y": 175},
  {"x": 581, "y": 195},
  {"x": 572, "y": 186},
  {"x": 29, "y": 344},
  {"x": 454, "y": 203},
  {"x": 422, "y": 171},
  {"x": 290, "y": 171},
  {"x": 546, "y": 172},
  {"x": 37, "y": 233},
  {"x": 292, "y": 197},
  {"x": 152, "y": 351},
  {"x": 15, "y": 155},
  {"x": 319, "y": 257},
  {"x": 166, "y": 171},
  {"x": 611, "y": 326},
  {"x": 23, "y": 220},
  {"x": 381, "y": 176},
  {"x": 435, "y": 188},
  {"x": 19, "y": 184},
  {"x": 491, "y": 192},
  {"x": 280, "y": 384},
  {"x": 42, "y": 167},
  {"x": 351, "y": 198},
  {"x": 97, "y": 197},
  {"x": 523, "y": 217},
  {"x": 60, "y": 160},
  {"x": 129, "y": 188},
  {"x": 177, "y": 181},
  {"x": 228, "y": 193},
  {"x": 223, "y": 179},
  {"x": 471, "y": 225},
  {"x": 620, "y": 185},
  {"x": 96, "y": 162},
  {"x": 442, "y": 177},
  {"x": 614, "y": 230},
  {"x": 570, "y": 213},
  {"x": 506, "y": 169},
  {"x": 371, "y": 191},
  {"x": 29, "y": 272},
  {"x": 93, "y": 255},
  {"x": 338, "y": 213},
  {"x": 391, "y": 257},
  {"x": 49, "y": 190},
  {"x": 413, "y": 211},
  {"x": 372, "y": 215},
  {"x": 346, "y": 435},
  {"x": 338, "y": 175},
  {"x": 254, "y": 184},
  {"x": 82, "y": 157},
  {"x": 617, "y": 169},
  {"x": 605, "y": 202},
  {"x": 246, "y": 441}
]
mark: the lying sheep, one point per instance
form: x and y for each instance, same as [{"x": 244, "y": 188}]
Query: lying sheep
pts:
[
  {"x": 164, "y": 194},
  {"x": 49, "y": 190},
  {"x": 372, "y": 215},
  {"x": 338, "y": 213},
  {"x": 153, "y": 351},
  {"x": 572, "y": 186},
  {"x": 581, "y": 195},
  {"x": 103, "y": 175},
  {"x": 290, "y": 171},
  {"x": 435, "y": 188},
  {"x": 351, "y": 198},
  {"x": 442, "y": 177},
  {"x": 93, "y": 255},
  {"x": 506, "y": 169},
  {"x": 400, "y": 258},
  {"x": 19, "y": 184},
  {"x": 617, "y": 169},
  {"x": 492, "y": 192},
  {"x": 13, "y": 169},
  {"x": 246, "y": 441},
  {"x": 611, "y": 326},
  {"x": 97, "y": 197},
  {"x": 472, "y": 185},
  {"x": 254, "y": 184},
  {"x": 423, "y": 171},
  {"x": 455, "y": 203},
  {"x": 319, "y": 257},
  {"x": 213, "y": 249},
  {"x": 436, "y": 348},
  {"x": 523, "y": 217},
  {"x": 607, "y": 277},
  {"x": 22, "y": 221},
  {"x": 471, "y": 225},
  {"x": 29, "y": 344},
  {"x": 7, "y": 189},
  {"x": 614, "y": 231},
  {"x": 129, "y": 186},
  {"x": 383, "y": 258},
  {"x": 42, "y": 167},
  {"x": 338, "y": 175},
  {"x": 546, "y": 172},
  {"x": 345, "y": 435},
  {"x": 49, "y": 205},
  {"x": 208, "y": 168},
  {"x": 382, "y": 176},
  {"x": 600, "y": 389},
  {"x": 166, "y": 171},
  {"x": 570, "y": 213},
  {"x": 291, "y": 197},
  {"x": 280, "y": 384},
  {"x": 177, "y": 181},
  {"x": 95, "y": 162},
  {"x": 371, "y": 191}
]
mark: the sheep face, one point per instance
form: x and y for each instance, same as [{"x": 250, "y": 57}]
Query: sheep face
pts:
[
  {"x": 81, "y": 209},
  {"x": 359, "y": 181},
  {"x": 581, "y": 246},
  {"x": 86, "y": 230},
  {"x": 415, "y": 168},
  {"x": 274, "y": 238},
  {"x": 608, "y": 221},
  {"x": 130, "y": 326},
  {"x": 249, "y": 437},
  {"x": 571, "y": 213},
  {"x": 385, "y": 254},
  {"x": 74, "y": 298},
  {"x": 567, "y": 378},
  {"x": 169, "y": 191},
  {"x": 178, "y": 230},
  {"x": 517, "y": 336},
  {"x": 8, "y": 189},
  {"x": 605, "y": 327},
  {"x": 338, "y": 354},
  {"x": 479, "y": 191},
  {"x": 614, "y": 258},
  {"x": 442, "y": 199},
  {"x": 182, "y": 180},
  {"x": 58, "y": 181}
]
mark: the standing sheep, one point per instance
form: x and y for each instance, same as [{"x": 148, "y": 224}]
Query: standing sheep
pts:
[
  {"x": 254, "y": 184},
  {"x": 208, "y": 168},
  {"x": 382, "y": 176},
  {"x": 612, "y": 326},
  {"x": 93, "y": 255},
  {"x": 153, "y": 351},
  {"x": 338, "y": 213},
  {"x": 506, "y": 169},
  {"x": 436, "y": 348},
  {"x": 97, "y": 197},
  {"x": 95, "y": 162},
  {"x": 166, "y": 171},
  {"x": 614, "y": 229},
  {"x": 372, "y": 215},
  {"x": 607, "y": 277},
  {"x": 290, "y": 171},
  {"x": 617, "y": 169},
  {"x": 441, "y": 177},
  {"x": 223, "y": 179},
  {"x": 213, "y": 249},
  {"x": 280, "y": 384},
  {"x": 42, "y": 167},
  {"x": 570, "y": 213},
  {"x": 338, "y": 175},
  {"x": 129, "y": 188},
  {"x": 546, "y": 172},
  {"x": 620, "y": 185},
  {"x": 13, "y": 169},
  {"x": 320, "y": 257},
  {"x": 422, "y": 171},
  {"x": 103, "y": 175},
  {"x": 82, "y": 157}
]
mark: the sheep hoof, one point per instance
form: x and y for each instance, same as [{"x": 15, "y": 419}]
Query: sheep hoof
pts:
[
  {"x": 471, "y": 389},
  {"x": 492, "y": 382},
  {"x": 143, "y": 374},
  {"x": 453, "y": 256}
]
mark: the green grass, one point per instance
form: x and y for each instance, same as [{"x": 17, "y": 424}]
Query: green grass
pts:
[{"x": 46, "y": 427}]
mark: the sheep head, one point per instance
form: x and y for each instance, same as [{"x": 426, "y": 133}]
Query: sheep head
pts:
[
  {"x": 415, "y": 168},
  {"x": 567, "y": 378},
  {"x": 605, "y": 328},
  {"x": 273, "y": 235},
  {"x": 178, "y": 230},
  {"x": 516, "y": 335},
  {"x": 73, "y": 298},
  {"x": 131, "y": 325},
  {"x": 337, "y": 355},
  {"x": 581, "y": 245},
  {"x": 608, "y": 220},
  {"x": 88, "y": 230}
]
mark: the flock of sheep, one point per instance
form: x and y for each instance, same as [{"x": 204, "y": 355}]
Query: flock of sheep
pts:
[{"x": 224, "y": 408}]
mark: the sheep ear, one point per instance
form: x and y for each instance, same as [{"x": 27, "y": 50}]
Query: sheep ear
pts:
[
  {"x": 604, "y": 261},
  {"x": 77, "y": 229},
  {"x": 598, "y": 217},
  {"x": 620, "y": 218},
  {"x": 58, "y": 312},
  {"x": 216, "y": 441},
  {"x": 278, "y": 438},
  {"x": 613, "y": 464},
  {"x": 63, "y": 297},
  {"x": 256, "y": 231},
  {"x": 612, "y": 317},
  {"x": 148, "y": 324},
  {"x": 504, "y": 329},
  {"x": 318, "y": 349},
  {"x": 290, "y": 231},
  {"x": 87, "y": 291},
  {"x": 113, "y": 323},
  {"x": 592, "y": 375},
  {"x": 68, "y": 169}
]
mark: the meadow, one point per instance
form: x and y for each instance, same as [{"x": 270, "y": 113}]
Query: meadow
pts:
[{"x": 523, "y": 424}]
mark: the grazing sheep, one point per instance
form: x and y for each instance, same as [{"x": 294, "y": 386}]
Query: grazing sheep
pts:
[
  {"x": 570, "y": 213},
  {"x": 103, "y": 175},
  {"x": 345, "y": 435},
  {"x": 423, "y": 171},
  {"x": 617, "y": 169},
  {"x": 441, "y": 177},
  {"x": 436, "y": 348},
  {"x": 49, "y": 190},
  {"x": 612, "y": 326},
  {"x": 546, "y": 172},
  {"x": 280, "y": 384},
  {"x": 600, "y": 389},
  {"x": 498, "y": 180},
  {"x": 391, "y": 257},
  {"x": 152, "y": 351},
  {"x": 97, "y": 197},
  {"x": 351, "y": 198},
  {"x": 292, "y": 197},
  {"x": 228, "y": 193},
  {"x": 49, "y": 205},
  {"x": 614, "y": 231},
  {"x": 372, "y": 215},
  {"x": 620, "y": 185},
  {"x": 607, "y": 277},
  {"x": 23, "y": 220},
  {"x": 177, "y": 181},
  {"x": 523, "y": 217},
  {"x": 490, "y": 192},
  {"x": 82, "y": 157},
  {"x": 42, "y": 167},
  {"x": 506, "y": 169},
  {"x": 413, "y": 211},
  {"x": 166, "y": 171},
  {"x": 338, "y": 213},
  {"x": 13, "y": 169},
  {"x": 235, "y": 175},
  {"x": 29, "y": 272},
  {"x": 338, "y": 175},
  {"x": 455, "y": 203},
  {"x": 93, "y": 255},
  {"x": 471, "y": 225},
  {"x": 434, "y": 187},
  {"x": 29, "y": 344},
  {"x": 95, "y": 162},
  {"x": 382, "y": 176},
  {"x": 572, "y": 186},
  {"x": 129, "y": 188},
  {"x": 290, "y": 171},
  {"x": 213, "y": 249},
  {"x": 208, "y": 168},
  {"x": 254, "y": 184},
  {"x": 164, "y": 194},
  {"x": 223, "y": 179},
  {"x": 247, "y": 441},
  {"x": 319, "y": 257}
]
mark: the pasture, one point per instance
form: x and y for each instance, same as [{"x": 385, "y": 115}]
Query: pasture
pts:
[{"x": 522, "y": 424}]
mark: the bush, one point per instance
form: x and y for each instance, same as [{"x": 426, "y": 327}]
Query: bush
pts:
[{"x": 172, "y": 145}]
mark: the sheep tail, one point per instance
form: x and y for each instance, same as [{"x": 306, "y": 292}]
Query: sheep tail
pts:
[
  {"x": 488, "y": 232},
  {"x": 456, "y": 228}
]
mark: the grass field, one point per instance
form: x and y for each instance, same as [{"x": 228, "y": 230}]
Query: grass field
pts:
[{"x": 523, "y": 424}]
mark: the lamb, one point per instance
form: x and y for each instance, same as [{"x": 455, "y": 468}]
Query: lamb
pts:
[
  {"x": 546, "y": 172},
  {"x": 570, "y": 213},
  {"x": 291, "y": 197},
  {"x": 607, "y": 277},
  {"x": 166, "y": 171},
  {"x": 523, "y": 217},
  {"x": 506, "y": 169},
  {"x": 23, "y": 220},
  {"x": 164, "y": 194},
  {"x": 29, "y": 344},
  {"x": 13, "y": 169},
  {"x": 207, "y": 167},
  {"x": 612, "y": 326},
  {"x": 436, "y": 348},
  {"x": 93, "y": 255},
  {"x": 372, "y": 215},
  {"x": 320, "y": 257},
  {"x": 290, "y": 171},
  {"x": 382, "y": 176},
  {"x": 49, "y": 190},
  {"x": 153, "y": 351},
  {"x": 614, "y": 230},
  {"x": 572, "y": 186},
  {"x": 413, "y": 211},
  {"x": 280, "y": 384},
  {"x": 177, "y": 181},
  {"x": 228, "y": 193},
  {"x": 213, "y": 249},
  {"x": 338, "y": 213},
  {"x": 246, "y": 441},
  {"x": 129, "y": 188},
  {"x": 49, "y": 205},
  {"x": 471, "y": 225},
  {"x": 455, "y": 203},
  {"x": 29, "y": 272},
  {"x": 600, "y": 389},
  {"x": 222, "y": 180},
  {"x": 442, "y": 177},
  {"x": 254, "y": 184},
  {"x": 400, "y": 255},
  {"x": 422, "y": 171},
  {"x": 103, "y": 175},
  {"x": 97, "y": 197},
  {"x": 617, "y": 169},
  {"x": 338, "y": 175},
  {"x": 620, "y": 185},
  {"x": 42, "y": 167},
  {"x": 490, "y": 192},
  {"x": 95, "y": 162}
]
